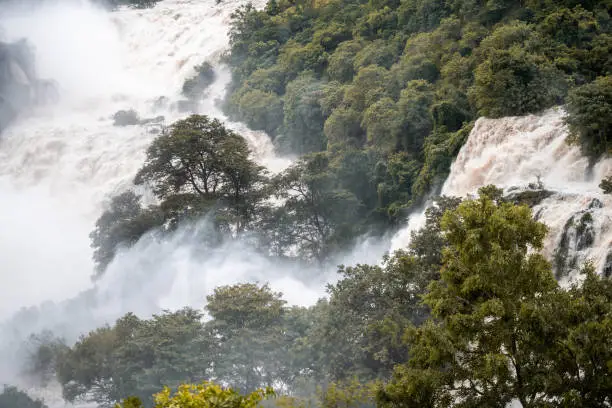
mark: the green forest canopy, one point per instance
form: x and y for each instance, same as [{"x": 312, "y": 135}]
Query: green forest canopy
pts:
[
  {"x": 396, "y": 84},
  {"x": 470, "y": 309},
  {"x": 377, "y": 97}
]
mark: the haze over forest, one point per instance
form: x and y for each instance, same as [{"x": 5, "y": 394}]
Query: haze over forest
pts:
[{"x": 305, "y": 203}]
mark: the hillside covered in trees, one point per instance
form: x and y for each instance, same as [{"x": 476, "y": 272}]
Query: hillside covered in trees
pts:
[
  {"x": 469, "y": 315},
  {"x": 390, "y": 89},
  {"x": 376, "y": 99}
]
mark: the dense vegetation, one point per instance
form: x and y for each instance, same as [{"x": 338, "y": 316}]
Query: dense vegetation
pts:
[
  {"x": 394, "y": 85},
  {"x": 198, "y": 167},
  {"x": 377, "y": 98},
  {"x": 470, "y": 310},
  {"x": 12, "y": 397}
]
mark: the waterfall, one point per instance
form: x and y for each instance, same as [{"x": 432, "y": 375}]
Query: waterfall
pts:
[
  {"x": 60, "y": 165},
  {"x": 531, "y": 153}
]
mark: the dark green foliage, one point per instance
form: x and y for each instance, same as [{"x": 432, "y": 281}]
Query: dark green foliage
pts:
[
  {"x": 135, "y": 357},
  {"x": 122, "y": 224},
  {"x": 589, "y": 117},
  {"x": 194, "y": 167},
  {"x": 512, "y": 83},
  {"x": 337, "y": 74},
  {"x": 469, "y": 308},
  {"x": 322, "y": 217},
  {"x": 198, "y": 163},
  {"x": 303, "y": 117},
  {"x": 372, "y": 305},
  {"x": 11, "y": 397},
  {"x": 247, "y": 323},
  {"x": 502, "y": 329},
  {"x": 196, "y": 85}
]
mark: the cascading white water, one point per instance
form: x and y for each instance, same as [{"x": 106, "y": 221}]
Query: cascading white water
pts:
[
  {"x": 59, "y": 166},
  {"x": 515, "y": 151}
]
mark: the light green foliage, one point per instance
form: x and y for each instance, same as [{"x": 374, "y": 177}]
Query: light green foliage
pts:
[
  {"x": 347, "y": 394},
  {"x": 12, "y": 397},
  {"x": 204, "y": 395},
  {"x": 589, "y": 117}
]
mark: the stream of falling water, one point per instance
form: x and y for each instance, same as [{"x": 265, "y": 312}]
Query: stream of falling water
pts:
[
  {"x": 516, "y": 151},
  {"x": 60, "y": 165}
]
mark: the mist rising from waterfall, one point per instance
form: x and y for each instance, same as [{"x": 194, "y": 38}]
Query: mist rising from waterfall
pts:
[{"x": 60, "y": 165}]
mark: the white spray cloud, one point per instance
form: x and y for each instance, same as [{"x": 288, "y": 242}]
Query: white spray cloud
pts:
[{"x": 59, "y": 166}]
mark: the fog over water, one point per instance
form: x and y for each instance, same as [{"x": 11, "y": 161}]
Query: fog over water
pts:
[{"x": 59, "y": 166}]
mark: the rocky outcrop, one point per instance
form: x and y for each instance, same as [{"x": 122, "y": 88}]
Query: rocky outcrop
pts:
[
  {"x": 530, "y": 196},
  {"x": 20, "y": 88}
]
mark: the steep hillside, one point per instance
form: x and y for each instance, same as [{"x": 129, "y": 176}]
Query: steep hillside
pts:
[{"x": 394, "y": 86}]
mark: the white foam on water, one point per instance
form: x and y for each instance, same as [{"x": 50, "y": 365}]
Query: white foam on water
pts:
[{"x": 515, "y": 151}]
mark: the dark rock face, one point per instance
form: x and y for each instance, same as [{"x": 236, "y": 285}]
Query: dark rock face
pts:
[
  {"x": 607, "y": 270},
  {"x": 578, "y": 235},
  {"x": 530, "y": 197},
  {"x": 131, "y": 118},
  {"x": 20, "y": 88},
  {"x": 126, "y": 118}
]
